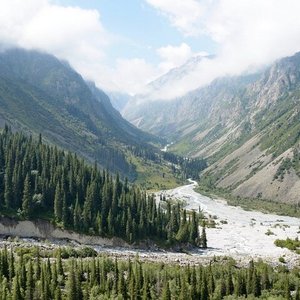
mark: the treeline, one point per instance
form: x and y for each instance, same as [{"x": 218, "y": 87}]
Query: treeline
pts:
[
  {"x": 182, "y": 167},
  {"x": 39, "y": 181},
  {"x": 30, "y": 276},
  {"x": 190, "y": 167}
]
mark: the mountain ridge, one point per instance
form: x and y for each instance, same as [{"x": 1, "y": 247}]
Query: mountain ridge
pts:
[
  {"x": 41, "y": 94},
  {"x": 246, "y": 126}
]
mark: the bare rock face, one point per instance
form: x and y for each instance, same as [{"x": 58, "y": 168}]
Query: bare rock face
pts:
[
  {"x": 45, "y": 230},
  {"x": 245, "y": 125}
]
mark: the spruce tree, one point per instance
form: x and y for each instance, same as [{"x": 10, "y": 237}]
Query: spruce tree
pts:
[
  {"x": 229, "y": 283},
  {"x": 203, "y": 238},
  {"x": 8, "y": 196},
  {"x": 71, "y": 283},
  {"x": 16, "y": 291},
  {"x": 166, "y": 293},
  {"x": 58, "y": 205},
  {"x": 287, "y": 289},
  {"x": 27, "y": 198}
]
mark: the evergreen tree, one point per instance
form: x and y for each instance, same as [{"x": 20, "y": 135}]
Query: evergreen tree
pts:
[
  {"x": 58, "y": 205},
  {"x": 287, "y": 290},
  {"x": 27, "y": 198},
  {"x": 8, "y": 196},
  {"x": 265, "y": 279},
  {"x": 194, "y": 231},
  {"x": 71, "y": 284},
  {"x": 229, "y": 283},
  {"x": 166, "y": 293},
  {"x": 29, "y": 282},
  {"x": 16, "y": 292},
  {"x": 203, "y": 238}
]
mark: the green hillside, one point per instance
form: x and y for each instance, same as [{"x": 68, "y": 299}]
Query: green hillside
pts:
[{"x": 40, "y": 94}]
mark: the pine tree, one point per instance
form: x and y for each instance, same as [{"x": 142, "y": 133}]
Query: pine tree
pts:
[
  {"x": 265, "y": 279},
  {"x": 59, "y": 265},
  {"x": 238, "y": 288},
  {"x": 4, "y": 290},
  {"x": 57, "y": 294},
  {"x": 183, "y": 287},
  {"x": 203, "y": 238},
  {"x": 58, "y": 205},
  {"x": 287, "y": 290},
  {"x": 204, "y": 288},
  {"x": 166, "y": 293},
  {"x": 11, "y": 267},
  {"x": 256, "y": 284},
  {"x": 194, "y": 231},
  {"x": 222, "y": 287},
  {"x": 77, "y": 215},
  {"x": 122, "y": 286},
  {"x": 146, "y": 290},
  {"x": 229, "y": 283},
  {"x": 16, "y": 292},
  {"x": 27, "y": 198},
  {"x": 71, "y": 284},
  {"x": 8, "y": 196}
]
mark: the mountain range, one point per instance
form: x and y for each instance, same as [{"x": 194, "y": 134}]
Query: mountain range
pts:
[
  {"x": 247, "y": 126},
  {"x": 41, "y": 94}
]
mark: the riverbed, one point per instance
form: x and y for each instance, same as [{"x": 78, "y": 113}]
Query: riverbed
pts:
[{"x": 240, "y": 233}]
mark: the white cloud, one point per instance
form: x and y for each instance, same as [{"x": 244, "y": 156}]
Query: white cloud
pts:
[
  {"x": 131, "y": 75},
  {"x": 70, "y": 33},
  {"x": 173, "y": 56},
  {"x": 184, "y": 15},
  {"x": 77, "y": 35},
  {"x": 250, "y": 34}
]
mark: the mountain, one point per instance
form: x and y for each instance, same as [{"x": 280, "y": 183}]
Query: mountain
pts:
[
  {"x": 119, "y": 100},
  {"x": 143, "y": 108},
  {"x": 176, "y": 74},
  {"x": 41, "y": 94},
  {"x": 247, "y": 126}
]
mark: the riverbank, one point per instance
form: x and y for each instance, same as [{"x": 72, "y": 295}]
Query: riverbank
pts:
[{"x": 240, "y": 233}]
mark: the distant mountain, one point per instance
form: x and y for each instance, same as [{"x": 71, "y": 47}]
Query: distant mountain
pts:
[
  {"x": 119, "y": 100},
  {"x": 147, "y": 110},
  {"x": 177, "y": 74},
  {"x": 247, "y": 126},
  {"x": 41, "y": 94}
]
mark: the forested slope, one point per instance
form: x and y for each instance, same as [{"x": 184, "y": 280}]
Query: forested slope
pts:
[
  {"x": 40, "y": 181},
  {"x": 41, "y": 94},
  {"x": 41, "y": 274}
]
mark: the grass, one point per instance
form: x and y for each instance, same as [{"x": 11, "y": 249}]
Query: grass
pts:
[
  {"x": 263, "y": 205},
  {"x": 293, "y": 245},
  {"x": 154, "y": 176}
]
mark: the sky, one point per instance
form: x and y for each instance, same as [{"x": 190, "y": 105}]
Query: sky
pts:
[{"x": 124, "y": 45}]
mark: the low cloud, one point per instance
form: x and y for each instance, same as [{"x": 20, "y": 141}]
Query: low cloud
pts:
[
  {"x": 173, "y": 56},
  {"x": 249, "y": 34},
  {"x": 70, "y": 33},
  {"x": 78, "y": 36}
]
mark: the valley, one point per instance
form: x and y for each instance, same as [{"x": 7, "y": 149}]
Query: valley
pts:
[
  {"x": 245, "y": 126},
  {"x": 149, "y": 150},
  {"x": 235, "y": 233}
]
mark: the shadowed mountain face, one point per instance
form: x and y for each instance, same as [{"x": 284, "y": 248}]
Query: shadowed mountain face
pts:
[
  {"x": 41, "y": 94},
  {"x": 247, "y": 126}
]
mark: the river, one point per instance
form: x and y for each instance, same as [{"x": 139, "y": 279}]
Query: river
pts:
[{"x": 239, "y": 232}]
